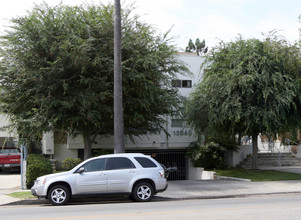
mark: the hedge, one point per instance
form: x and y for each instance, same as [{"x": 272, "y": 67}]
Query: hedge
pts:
[
  {"x": 208, "y": 156},
  {"x": 70, "y": 163},
  {"x": 37, "y": 165}
]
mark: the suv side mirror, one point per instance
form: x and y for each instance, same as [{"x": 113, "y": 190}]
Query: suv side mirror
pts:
[{"x": 81, "y": 170}]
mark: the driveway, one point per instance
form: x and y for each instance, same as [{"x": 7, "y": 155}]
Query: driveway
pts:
[{"x": 10, "y": 180}]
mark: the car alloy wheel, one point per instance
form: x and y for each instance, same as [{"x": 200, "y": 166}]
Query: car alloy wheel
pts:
[
  {"x": 59, "y": 195},
  {"x": 143, "y": 192}
]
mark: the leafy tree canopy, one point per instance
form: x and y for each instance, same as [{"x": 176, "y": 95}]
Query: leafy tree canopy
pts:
[
  {"x": 249, "y": 87},
  {"x": 57, "y": 72},
  {"x": 199, "y": 47}
]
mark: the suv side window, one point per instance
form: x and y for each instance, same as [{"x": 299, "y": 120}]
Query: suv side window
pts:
[
  {"x": 145, "y": 162},
  {"x": 119, "y": 163},
  {"x": 95, "y": 165}
]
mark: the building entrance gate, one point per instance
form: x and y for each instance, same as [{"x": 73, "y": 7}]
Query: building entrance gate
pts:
[{"x": 170, "y": 159}]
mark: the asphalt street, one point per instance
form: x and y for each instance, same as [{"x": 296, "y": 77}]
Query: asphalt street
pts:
[{"x": 284, "y": 206}]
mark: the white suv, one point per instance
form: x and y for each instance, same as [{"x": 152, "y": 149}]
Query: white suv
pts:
[{"x": 135, "y": 174}]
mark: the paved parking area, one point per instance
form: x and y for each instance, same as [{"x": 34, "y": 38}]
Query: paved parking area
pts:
[{"x": 10, "y": 180}]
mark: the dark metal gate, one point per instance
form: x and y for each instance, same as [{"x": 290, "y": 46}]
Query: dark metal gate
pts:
[{"x": 170, "y": 158}]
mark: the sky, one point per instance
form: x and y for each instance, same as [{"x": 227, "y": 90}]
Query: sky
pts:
[{"x": 211, "y": 20}]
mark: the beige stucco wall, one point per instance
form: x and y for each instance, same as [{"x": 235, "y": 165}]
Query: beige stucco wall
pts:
[
  {"x": 4, "y": 121},
  {"x": 61, "y": 152}
]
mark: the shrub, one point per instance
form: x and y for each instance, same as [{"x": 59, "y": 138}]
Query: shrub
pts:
[
  {"x": 37, "y": 165},
  {"x": 69, "y": 163},
  {"x": 209, "y": 156}
]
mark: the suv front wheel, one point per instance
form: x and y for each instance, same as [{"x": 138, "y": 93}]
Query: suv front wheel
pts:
[
  {"x": 59, "y": 195},
  {"x": 143, "y": 192}
]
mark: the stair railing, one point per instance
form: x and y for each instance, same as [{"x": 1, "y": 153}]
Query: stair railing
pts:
[{"x": 273, "y": 146}]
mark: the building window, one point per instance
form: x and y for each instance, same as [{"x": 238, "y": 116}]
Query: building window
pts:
[
  {"x": 186, "y": 83},
  {"x": 176, "y": 83},
  {"x": 176, "y": 123},
  {"x": 181, "y": 83}
]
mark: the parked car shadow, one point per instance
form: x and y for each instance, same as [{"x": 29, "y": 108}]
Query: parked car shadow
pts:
[{"x": 86, "y": 201}]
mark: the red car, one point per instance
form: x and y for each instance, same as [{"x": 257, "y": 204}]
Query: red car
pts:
[{"x": 10, "y": 158}]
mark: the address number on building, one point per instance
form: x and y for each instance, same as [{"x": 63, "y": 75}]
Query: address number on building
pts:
[{"x": 182, "y": 133}]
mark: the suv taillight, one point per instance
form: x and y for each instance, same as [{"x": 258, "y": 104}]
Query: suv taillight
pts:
[{"x": 161, "y": 172}]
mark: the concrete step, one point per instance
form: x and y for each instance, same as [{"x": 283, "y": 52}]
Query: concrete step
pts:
[
  {"x": 268, "y": 159},
  {"x": 272, "y": 164},
  {"x": 271, "y": 161},
  {"x": 281, "y": 157},
  {"x": 275, "y": 155}
]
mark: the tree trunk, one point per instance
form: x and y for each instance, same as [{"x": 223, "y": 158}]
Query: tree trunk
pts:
[
  {"x": 255, "y": 151},
  {"x": 118, "y": 103},
  {"x": 87, "y": 147}
]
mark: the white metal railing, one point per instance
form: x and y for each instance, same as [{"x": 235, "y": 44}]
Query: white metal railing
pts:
[
  {"x": 271, "y": 148},
  {"x": 279, "y": 154}
]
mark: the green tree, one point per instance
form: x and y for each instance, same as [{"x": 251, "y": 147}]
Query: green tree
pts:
[
  {"x": 56, "y": 72},
  {"x": 191, "y": 47},
  {"x": 249, "y": 87},
  {"x": 199, "y": 47}
]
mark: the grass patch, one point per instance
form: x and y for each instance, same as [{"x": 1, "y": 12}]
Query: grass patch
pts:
[
  {"x": 22, "y": 195},
  {"x": 259, "y": 175}
]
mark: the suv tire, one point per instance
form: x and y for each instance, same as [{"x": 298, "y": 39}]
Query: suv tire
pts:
[
  {"x": 143, "y": 192},
  {"x": 59, "y": 195}
]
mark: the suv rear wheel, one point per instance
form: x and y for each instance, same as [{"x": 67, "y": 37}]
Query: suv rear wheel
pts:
[
  {"x": 59, "y": 195},
  {"x": 143, "y": 192}
]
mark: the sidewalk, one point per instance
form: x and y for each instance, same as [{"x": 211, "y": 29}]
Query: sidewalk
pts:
[
  {"x": 184, "y": 189},
  {"x": 187, "y": 189},
  {"x": 206, "y": 189},
  {"x": 5, "y": 199},
  {"x": 9, "y": 183}
]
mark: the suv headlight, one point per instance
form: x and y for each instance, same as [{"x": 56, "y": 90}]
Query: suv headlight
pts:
[
  {"x": 36, "y": 182},
  {"x": 40, "y": 181}
]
